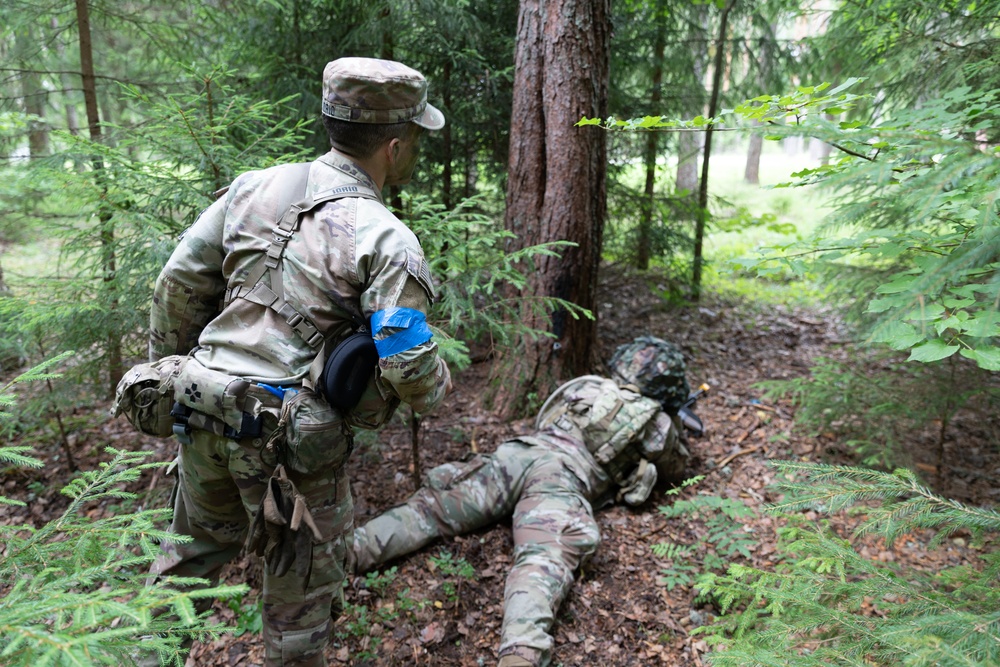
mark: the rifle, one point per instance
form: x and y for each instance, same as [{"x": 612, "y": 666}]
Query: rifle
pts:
[{"x": 689, "y": 419}]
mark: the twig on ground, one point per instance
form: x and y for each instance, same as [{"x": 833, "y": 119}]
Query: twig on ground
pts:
[{"x": 729, "y": 459}]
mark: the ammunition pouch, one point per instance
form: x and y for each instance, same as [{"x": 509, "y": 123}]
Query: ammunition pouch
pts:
[
  {"x": 145, "y": 395},
  {"x": 214, "y": 393},
  {"x": 313, "y": 435},
  {"x": 345, "y": 373},
  {"x": 639, "y": 484}
]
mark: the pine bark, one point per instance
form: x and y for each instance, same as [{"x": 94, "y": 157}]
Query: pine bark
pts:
[
  {"x": 689, "y": 143},
  {"x": 645, "y": 236},
  {"x": 556, "y": 184},
  {"x": 713, "y": 102},
  {"x": 751, "y": 174}
]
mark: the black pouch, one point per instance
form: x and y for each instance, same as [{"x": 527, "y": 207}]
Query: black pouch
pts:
[{"x": 348, "y": 370}]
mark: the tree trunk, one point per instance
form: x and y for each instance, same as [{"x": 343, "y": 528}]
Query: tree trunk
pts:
[
  {"x": 446, "y": 157},
  {"x": 644, "y": 238},
  {"x": 104, "y": 215},
  {"x": 713, "y": 104},
  {"x": 33, "y": 94},
  {"x": 72, "y": 122},
  {"x": 751, "y": 174},
  {"x": 556, "y": 184},
  {"x": 387, "y": 51},
  {"x": 34, "y": 106},
  {"x": 688, "y": 149},
  {"x": 689, "y": 143},
  {"x": 766, "y": 58}
]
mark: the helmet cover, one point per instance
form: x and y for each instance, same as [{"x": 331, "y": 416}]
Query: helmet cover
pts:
[{"x": 656, "y": 367}]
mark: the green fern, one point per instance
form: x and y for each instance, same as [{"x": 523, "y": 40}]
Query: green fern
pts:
[{"x": 723, "y": 536}]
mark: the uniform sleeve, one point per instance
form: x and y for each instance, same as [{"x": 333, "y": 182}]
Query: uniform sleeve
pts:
[
  {"x": 189, "y": 290},
  {"x": 418, "y": 375},
  {"x": 397, "y": 295}
]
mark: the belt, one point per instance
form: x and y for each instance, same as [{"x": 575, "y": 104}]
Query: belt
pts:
[{"x": 265, "y": 395}]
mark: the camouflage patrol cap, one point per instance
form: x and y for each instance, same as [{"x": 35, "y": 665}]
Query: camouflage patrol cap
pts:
[
  {"x": 369, "y": 90},
  {"x": 656, "y": 367}
]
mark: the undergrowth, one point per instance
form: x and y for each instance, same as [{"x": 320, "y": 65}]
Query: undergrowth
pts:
[
  {"x": 723, "y": 539},
  {"x": 74, "y": 591},
  {"x": 826, "y": 604}
]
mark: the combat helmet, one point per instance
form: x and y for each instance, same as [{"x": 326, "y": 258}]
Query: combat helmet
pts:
[{"x": 656, "y": 367}]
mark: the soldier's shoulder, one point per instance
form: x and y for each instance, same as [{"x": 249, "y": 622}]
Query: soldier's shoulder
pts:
[{"x": 374, "y": 219}]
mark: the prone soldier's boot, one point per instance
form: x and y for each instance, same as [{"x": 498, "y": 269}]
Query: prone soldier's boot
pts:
[{"x": 514, "y": 661}]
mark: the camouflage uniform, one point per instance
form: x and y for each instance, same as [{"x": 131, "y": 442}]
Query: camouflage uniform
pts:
[
  {"x": 548, "y": 482},
  {"x": 350, "y": 259}
]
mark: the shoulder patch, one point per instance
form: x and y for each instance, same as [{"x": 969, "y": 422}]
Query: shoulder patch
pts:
[{"x": 417, "y": 266}]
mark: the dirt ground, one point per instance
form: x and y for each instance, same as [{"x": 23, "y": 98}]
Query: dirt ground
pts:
[{"x": 619, "y": 612}]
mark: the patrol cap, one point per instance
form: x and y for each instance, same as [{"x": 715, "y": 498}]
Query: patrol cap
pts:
[{"x": 370, "y": 90}]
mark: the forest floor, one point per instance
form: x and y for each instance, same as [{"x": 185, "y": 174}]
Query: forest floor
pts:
[{"x": 620, "y": 611}]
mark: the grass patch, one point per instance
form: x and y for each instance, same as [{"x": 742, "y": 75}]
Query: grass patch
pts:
[{"x": 796, "y": 211}]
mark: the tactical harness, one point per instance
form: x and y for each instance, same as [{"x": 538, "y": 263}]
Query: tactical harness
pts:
[
  {"x": 341, "y": 375},
  {"x": 610, "y": 419},
  {"x": 252, "y": 287}
]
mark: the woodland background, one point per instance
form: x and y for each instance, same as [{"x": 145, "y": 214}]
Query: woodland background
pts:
[{"x": 847, "y": 316}]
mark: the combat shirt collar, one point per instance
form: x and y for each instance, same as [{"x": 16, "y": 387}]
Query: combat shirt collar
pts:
[{"x": 344, "y": 164}]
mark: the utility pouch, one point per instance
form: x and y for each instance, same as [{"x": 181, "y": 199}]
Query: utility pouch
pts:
[
  {"x": 348, "y": 369},
  {"x": 145, "y": 395},
  {"x": 213, "y": 393},
  {"x": 316, "y": 437},
  {"x": 347, "y": 376}
]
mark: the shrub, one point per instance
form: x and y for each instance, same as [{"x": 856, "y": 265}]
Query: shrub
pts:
[
  {"x": 75, "y": 591},
  {"x": 826, "y": 604}
]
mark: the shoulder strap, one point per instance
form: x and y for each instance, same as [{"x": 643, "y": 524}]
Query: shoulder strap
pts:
[{"x": 294, "y": 204}]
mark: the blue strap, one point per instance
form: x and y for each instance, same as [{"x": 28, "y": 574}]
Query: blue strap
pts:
[
  {"x": 412, "y": 325},
  {"x": 277, "y": 391}
]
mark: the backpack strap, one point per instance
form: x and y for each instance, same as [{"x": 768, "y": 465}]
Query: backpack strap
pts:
[{"x": 294, "y": 204}]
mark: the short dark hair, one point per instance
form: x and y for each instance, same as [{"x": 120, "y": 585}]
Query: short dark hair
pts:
[{"x": 361, "y": 140}]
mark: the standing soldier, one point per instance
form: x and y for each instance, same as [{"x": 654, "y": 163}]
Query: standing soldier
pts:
[
  {"x": 596, "y": 440},
  {"x": 290, "y": 261}
]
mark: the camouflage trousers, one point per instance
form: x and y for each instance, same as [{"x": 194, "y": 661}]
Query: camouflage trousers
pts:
[
  {"x": 220, "y": 486},
  {"x": 553, "y": 525}
]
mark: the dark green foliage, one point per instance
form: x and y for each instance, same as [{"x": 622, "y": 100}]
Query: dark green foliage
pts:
[
  {"x": 671, "y": 233},
  {"x": 474, "y": 274},
  {"x": 114, "y": 226},
  {"x": 660, "y": 55},
  {"x": 825, "y": 604},
  {"x": 75, "y": 590},
  {"x": 911, "y": 52},
  {"x": 464, "y": 49},
  {"x": 723, "y": 536}
]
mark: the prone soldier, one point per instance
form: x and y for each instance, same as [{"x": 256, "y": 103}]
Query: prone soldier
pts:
[{"x": 596, "y": 440}]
